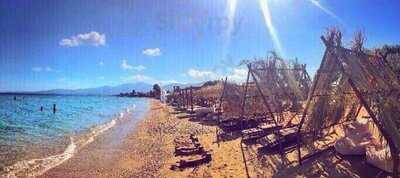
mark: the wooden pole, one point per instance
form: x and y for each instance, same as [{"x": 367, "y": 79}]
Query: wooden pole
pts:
[
  {"x": 182, "y": 98},
  {"x": 187, "y": 98},
  {"x": 358, "y": 111},
  {"x": 245, "y": 96},
  {"x": 392, "y": 146},
  {"x": 244, "y": 159},
  {"x": 220, "y": 100},
  {"x": 263, "y": 97},
  {"x": 191, "y": 98},
  {"x": 267, "y": 105},
  {"x": 309, "y": 99}
]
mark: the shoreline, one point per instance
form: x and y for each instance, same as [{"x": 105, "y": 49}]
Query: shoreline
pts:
[
  {"x": 147, "y": 150},
  {"x": 37, "y": 166},
  {"x": 99, "y": 153},
  {"x": 148, "y": 147}
]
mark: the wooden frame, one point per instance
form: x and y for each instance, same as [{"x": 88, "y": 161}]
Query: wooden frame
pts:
[{"x": 341, "y": 59}]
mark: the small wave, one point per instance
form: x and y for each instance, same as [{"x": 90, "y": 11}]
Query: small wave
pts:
[
  {"x": 128, "y": 109},
  {"x": 97, "y": 131},
  {"x": 36, "y": 167}
]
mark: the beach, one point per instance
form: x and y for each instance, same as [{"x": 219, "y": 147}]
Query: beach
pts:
[
  {"x": 145, "y": 149},
  {"x": 107, "y": 155}
]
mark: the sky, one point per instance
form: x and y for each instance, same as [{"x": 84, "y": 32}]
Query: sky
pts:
[{"x": 74, "y": 44}]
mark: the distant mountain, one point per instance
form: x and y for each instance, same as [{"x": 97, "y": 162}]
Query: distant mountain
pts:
[
  {"x": 105, "y": 90},
  {"x": 112, "y": 90}
]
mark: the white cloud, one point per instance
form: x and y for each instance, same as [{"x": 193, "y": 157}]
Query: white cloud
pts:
[
  {"x": 92, "y": 39},
  {"x": 139, "y": 67},
  {"x": 141, "y": 78},
  {"x": 42, "y": 69},
  {"x": 234, "y": 74},
  {"x": 238, "y": 75},
  {"x": 147, "y": 79},
  {"x": 101, "y": 78},
  {"x": 202, "y": 75},
  {"x": 101, "y": 63},
  {"x": 125, "y": 65},
  {"x": 152, "y": 52}
]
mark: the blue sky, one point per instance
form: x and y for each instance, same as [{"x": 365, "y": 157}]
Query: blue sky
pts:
[{"x": 78, "y": 44}]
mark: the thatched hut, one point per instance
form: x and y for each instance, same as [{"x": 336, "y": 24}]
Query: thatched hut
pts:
[
  {"x": 275, "y": 86},
  {"x": 347, "y": 80}
]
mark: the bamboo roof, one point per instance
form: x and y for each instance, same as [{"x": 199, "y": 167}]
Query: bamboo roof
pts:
[{"x": 350, "y": 77}]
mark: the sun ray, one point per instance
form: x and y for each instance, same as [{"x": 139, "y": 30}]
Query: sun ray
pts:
[
  {"x": 230, "y": 14},
  {"x": 270, "y": 26},
  {"x": 325, "y": 10}
]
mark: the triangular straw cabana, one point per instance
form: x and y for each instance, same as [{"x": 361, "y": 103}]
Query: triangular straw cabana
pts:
[
  {"x": 350, "y": 78},
  {"x": 280, "y": 85}
]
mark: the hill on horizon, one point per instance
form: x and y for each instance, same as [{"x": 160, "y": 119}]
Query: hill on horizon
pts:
[
  {"x": 104, "y": 90},
  {"x": 115, "y": 90}
]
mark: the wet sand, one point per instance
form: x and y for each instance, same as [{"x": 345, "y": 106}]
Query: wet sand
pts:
[{"x": 99, "y": 158}]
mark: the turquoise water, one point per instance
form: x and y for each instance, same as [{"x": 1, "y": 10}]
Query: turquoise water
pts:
[{"x": 27, "y": 133}]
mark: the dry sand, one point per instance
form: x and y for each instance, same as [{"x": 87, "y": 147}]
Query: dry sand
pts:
[{"x": 147, "y": 151}]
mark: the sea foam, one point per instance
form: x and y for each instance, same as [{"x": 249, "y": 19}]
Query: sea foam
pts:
[{"x": 37, "y": 167}]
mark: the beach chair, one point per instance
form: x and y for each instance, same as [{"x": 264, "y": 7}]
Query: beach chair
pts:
[
  {"x": 185, "y": 151},
  {"x": 260, "y": 131},
  {"x": 238, "y": 124},
  {"x": 192, "y": 161},
  {"x": 283, "y": 137},
  {"x": 230, "y": 124},
  {"x": 187, "y": 145}
]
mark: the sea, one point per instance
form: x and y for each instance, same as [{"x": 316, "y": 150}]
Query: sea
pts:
[{"x": 34, "y": 139}]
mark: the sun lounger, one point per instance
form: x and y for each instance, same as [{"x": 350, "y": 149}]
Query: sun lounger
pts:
[
  {"x": 189, "y": 145},
  {"x": 260, "y": 131},
  {"x": 186, "y": 140},
  {"x": 184, "y": 151},
  {"x": 283, "y": 136},
  {"x": 192, "y": 161},
  {"x": 238, "y": 124}
]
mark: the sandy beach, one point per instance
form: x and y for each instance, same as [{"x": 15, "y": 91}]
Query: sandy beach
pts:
[
  {"x": 109, "y": 155},
  {"x": 145, "y": 149}
]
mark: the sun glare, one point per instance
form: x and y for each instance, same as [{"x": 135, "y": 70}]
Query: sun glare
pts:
[
  {"x": 230, "y": 14},
  {"x": 325, "y": 10},
  {"x": 270, "y": 26}
]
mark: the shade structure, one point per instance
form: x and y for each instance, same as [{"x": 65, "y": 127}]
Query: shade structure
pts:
[{"x": 347, "y": 79}]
